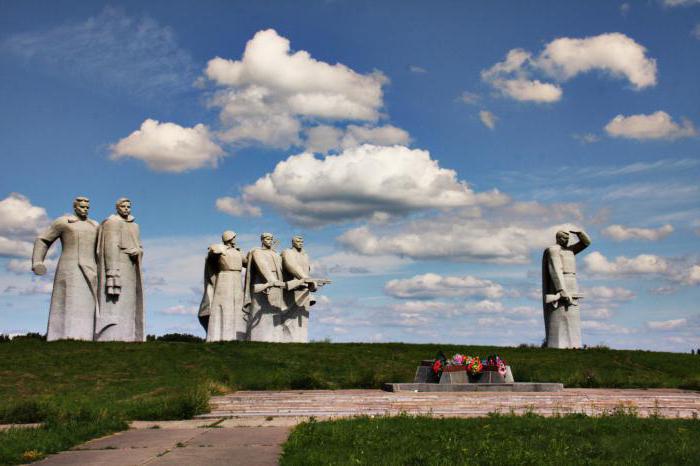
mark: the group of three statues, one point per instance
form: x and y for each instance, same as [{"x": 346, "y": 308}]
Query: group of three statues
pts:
[{"x": 272, "y": 305}]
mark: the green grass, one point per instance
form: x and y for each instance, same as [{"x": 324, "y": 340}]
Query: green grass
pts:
[
  {"x": 495, "y": 440},
  {"x": 160, "y": 380}
]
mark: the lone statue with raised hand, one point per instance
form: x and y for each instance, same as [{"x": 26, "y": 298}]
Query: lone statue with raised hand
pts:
[
  {"x": 74, "y": 295},
  {"x": 560, "y": 296},
  {"x": 119, "y": 249}
]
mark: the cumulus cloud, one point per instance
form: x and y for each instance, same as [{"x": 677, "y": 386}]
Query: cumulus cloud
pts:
[
  {"x": 432, "y": 285},
  {"x": 20, "y": 221},
  {"x": 237, "y": 207},
  {"x": 266, "y": 93},
  {"x": 169, "y": 147},
  {"x": 658, "y": 125},
  {"x": 343, "y": 263},
  {"x": 666, "y": 324},
  {"x": 563, "y": 59},
  {"x": 642, "y": 264},
  {"x": 361, "y": 182},
  {"x": 469, "y": 240},
  {"x": 325, "y": 138},
  {"x": 622, "y": 233},
  {"x": 427, "y": 308},
  {"x": 510, "y": 78},
  {"x": 137, "y": 56},
  {"x": 488, "y": 119},
  {"x": 691, "y": 276}
]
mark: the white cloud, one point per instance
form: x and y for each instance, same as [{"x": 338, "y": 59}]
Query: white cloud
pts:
[
  {"x": 600, "y": 313},
  {"x": 597, "y": 327},
  {"x": 469, "y": 98},
  {"x": 642, "y": 264},
  {"x": 674, "y": 3},
  {"x": 565, "y": 58},
  {"x": 607, "y": 293},
  {"x": 180, "y": 309},
  {"x": 622, "y": 233},
  {"x": 24, "y": 266},
  {"x": 339, "y": 264},
  {"x": 324, "y": 138},
  {"x": 666, "y": 324},
  {"x": 359, "y": 183},
  {"x": 417, "y": 69},
  {"x": 428, "y": 308},
  {"x": 450, "y": 237},
  {"x": 658, "y": 125},
  {"x": 691, "y": 276},
  {"x": 20, "y": 221},
  {"x": 115, "y": 51},
  {"x": 696, "y": 31},
  {"x": 237, "y": 207},
  {"x": 613, "y": 53},
  {"x": 586, "y": 138},
  {"x": 169, "y": 147},
  {"x": 431, "y": 285},
  {"x": 267, "y": 93},
  {"x": 488, "y": 119}
]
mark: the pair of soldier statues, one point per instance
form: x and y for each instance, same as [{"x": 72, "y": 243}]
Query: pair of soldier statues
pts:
[
  {"x": 273, "y": 302},
  {"x": 98, "y": 286}
]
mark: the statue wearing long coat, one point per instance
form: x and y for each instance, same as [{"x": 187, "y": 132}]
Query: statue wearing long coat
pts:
[
  {"x": 74, "y": 295},
  {"x": 263, "y": 310},
  {"x": 562, "y": 321},
  {"x": 295, "y": 324},
  {"x": 221, "y": 309},
  {"x": 120, "y": 317}
]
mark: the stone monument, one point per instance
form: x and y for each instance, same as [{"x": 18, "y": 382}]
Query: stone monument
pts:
[
  {"x": 221, "y": 310},
  {"x": 121, "y": 314},
  {"x": 263, "y": 301},
  {"x": 296, "y": 273},
  {"x": 560, "y": 296},
  {"x": 74, "y": 295}
]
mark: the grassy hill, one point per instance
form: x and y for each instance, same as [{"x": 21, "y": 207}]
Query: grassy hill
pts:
[{"x": 85, "y": 389}]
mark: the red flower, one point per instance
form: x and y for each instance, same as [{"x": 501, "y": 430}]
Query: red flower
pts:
[{"x": 437, "y": 366}]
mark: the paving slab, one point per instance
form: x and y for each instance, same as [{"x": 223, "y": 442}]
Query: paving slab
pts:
[
  {"x": 134, "y": 439},
  {"x": 240, "y": 436},
  {"x": 132, "y": 457},
  {"x": 248, "y": 455}
]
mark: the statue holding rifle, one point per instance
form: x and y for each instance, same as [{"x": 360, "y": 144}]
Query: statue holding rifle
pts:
[
  {"x": 560, "y": 296},
  {"x": 296, "y": 272}
]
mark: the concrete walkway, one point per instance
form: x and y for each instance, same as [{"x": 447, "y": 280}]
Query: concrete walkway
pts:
[{"x": 248, "y": 428}]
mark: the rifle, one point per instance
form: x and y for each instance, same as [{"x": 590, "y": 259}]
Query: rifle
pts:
[
  {"x": 305, "y": 282},
  {"x": 262, "y": 287}
]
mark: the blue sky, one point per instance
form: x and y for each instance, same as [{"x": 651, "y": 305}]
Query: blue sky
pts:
[{"x": 427, "y": 151}]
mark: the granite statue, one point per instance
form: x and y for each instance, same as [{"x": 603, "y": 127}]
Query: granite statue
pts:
[
  {"x": 263, "y": 301},
  {"x": 75, "y": 290},
  {"x": 121, "y": 313},
  {"x": 560, "y": 295},
  {"x": 296, "y": 270},
  {"x": 221, "y": 309}
]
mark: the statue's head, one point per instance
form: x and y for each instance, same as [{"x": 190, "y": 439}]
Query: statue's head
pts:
[
  {"x": 562, "y": 238},
  {"x": 229, "y": 237},
  {"x": 81, "y": 206},
  {"x": 267, "y": 240},
  {"x": 298, "y": 242},
  {"x": 123, "y": 207}
]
